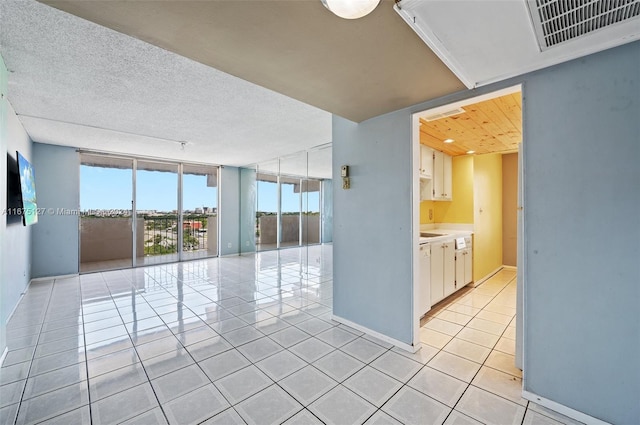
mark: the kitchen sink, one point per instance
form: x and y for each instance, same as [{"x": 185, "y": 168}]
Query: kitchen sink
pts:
[{"x": 430, "y": 235}]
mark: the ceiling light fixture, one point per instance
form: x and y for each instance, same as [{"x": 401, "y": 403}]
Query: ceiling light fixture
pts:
[
  {"x": 350, "y": 9},
  {"x": 470, "y": 152},
  {"x": 448, "y": 141}
]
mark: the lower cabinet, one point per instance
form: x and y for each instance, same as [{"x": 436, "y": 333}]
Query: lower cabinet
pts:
[
  {"x": 451, "y": 269},
  {"x": 443, "y": 270},
  {"x": 464, "y": 259}
]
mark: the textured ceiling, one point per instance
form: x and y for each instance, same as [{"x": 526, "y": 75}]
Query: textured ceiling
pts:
[
  {"x": 76, "y": 83},
  {"x": 357, "y": 69}
]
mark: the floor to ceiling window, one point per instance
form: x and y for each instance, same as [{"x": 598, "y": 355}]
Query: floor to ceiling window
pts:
[
  {"x": 200, "y": 211},
  {"x": 157, "y": 205},
  {"x": 106, "y": 188},
  {"x": 138, "y": 212}
]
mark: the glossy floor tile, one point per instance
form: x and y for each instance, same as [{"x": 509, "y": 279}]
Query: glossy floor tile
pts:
[{"x": 251, "y": 340}]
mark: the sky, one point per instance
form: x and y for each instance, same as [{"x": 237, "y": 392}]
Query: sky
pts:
[{"x": 110, "y": 188}]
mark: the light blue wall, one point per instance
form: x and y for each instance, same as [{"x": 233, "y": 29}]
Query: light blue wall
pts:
[
  {"x": 248, "y": 199},
  {"x": 3, "y": 196},
  {"x": 55, "y": 237},
  {"x": 17, "y": 238},
  {"x": 229, "y": 210},
  {"x": 582, "y": 218},
  {"x": 581, "y": 152},
  {"x": 372, "y": 225}
]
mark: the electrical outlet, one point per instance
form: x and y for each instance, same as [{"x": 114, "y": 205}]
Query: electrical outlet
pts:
[
  {"x": 229, "y": 245},
  {"x": 430, "y": 214},
  {"x": 346, "y": 183}
]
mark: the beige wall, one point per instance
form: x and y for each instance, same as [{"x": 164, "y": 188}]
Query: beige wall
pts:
[
  {"x": 509, "y": 209},
  {"x": 109, "y": 238},
  {"x": 487, "y": 239}
]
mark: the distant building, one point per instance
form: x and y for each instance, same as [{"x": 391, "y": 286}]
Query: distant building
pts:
[{"x": 192, "y": 225}]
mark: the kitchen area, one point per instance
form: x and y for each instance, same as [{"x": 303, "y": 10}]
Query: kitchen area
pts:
[{"x": 468, "y": 174}]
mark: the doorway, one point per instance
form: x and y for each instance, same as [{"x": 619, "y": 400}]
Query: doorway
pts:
[{"x": 482, "y": 135}]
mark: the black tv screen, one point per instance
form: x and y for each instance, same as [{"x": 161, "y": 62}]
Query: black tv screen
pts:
[
  {"x": 27, "y": 191},
  {"x": 14, "y": 197}
]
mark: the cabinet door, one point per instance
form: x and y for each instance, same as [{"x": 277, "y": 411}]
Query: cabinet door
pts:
[
  {"x": 437, "y": 272},
  {"x": 446, "y": 177},
  {"x": 438, "y": 169},
  {"x": 468, "y": 269},
  {"x": 460, "y": 270},
  {"x": 425, "y": 279},
  {"x": 449, "y": 268},
  {"x": 426, "y": 162}
]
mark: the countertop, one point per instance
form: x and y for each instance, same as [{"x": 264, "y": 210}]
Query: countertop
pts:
[{"x": 445, "y": 234}]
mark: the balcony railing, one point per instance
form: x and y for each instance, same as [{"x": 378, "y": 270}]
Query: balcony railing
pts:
[{"x": 107, "y": 238}]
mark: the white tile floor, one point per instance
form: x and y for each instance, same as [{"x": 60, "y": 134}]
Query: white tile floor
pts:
[{"x": 250, "y": 340}]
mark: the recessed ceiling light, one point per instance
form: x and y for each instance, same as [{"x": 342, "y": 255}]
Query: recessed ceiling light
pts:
[
  {"x": 448, "y": 141},
  {"x": 470, "y": 152}
]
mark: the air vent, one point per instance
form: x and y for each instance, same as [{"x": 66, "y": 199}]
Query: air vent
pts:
[
  {"x": 559, "y": 21},
  {"x": 444, "y": 114}
]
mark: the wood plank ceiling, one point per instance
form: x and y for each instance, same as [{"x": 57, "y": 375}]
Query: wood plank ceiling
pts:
[{"x": 490, "y": 126}]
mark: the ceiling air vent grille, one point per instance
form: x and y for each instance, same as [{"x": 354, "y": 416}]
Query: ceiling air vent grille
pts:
[
  {"x": 444, "y": 114},
  {"x": 558, "y": 21}
]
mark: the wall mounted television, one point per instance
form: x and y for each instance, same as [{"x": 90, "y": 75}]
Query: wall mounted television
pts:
[{"x": 21, "y": 191}]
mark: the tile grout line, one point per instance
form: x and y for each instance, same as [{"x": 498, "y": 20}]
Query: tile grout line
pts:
[{"x": 15, "y": 420}]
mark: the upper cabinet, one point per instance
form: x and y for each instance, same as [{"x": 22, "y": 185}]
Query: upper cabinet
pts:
[
  {"x": 426, "y": 162},
  {"x": 435, "y": 175},
  {"x": 442, "y": 171}
]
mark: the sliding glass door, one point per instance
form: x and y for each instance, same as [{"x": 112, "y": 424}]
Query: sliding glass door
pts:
[
  {"x": 138, "y": 212},
  {"x": 157, "y": 213},
  {"x": 106, "y": 238},
  {"x": 200, "y": 211}
]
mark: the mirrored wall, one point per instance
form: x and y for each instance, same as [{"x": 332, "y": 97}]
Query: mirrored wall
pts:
[
  {"x": 136, "y": 212},
  {"x": 293, "y": 204}
]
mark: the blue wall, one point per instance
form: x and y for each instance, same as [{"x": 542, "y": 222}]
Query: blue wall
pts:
[
  {"x": 582, "y": 230},
  {"x": 55, "y": 237},
  {"x": 3, "y": 195},
  {"x": 581, "y": 152},
  {"x": 229, "y": 210},
  {"x": 372, "y": 225}
]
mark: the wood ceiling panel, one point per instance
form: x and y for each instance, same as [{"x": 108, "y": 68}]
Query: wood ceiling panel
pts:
[{"x": 494, "y": 125}]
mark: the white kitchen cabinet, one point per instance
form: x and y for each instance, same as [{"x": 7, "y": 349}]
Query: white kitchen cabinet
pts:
[
  {"x": 443, "y": 270},
  {"x": 426, "y": 162},
  {"x": 424, "y": 304},
  {"x": 442, "y": 175},
  {"x": 464, "y": 261}
]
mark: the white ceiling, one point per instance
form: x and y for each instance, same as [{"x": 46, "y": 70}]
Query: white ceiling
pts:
[
  {"x": 75, "y": 83},
  {"x": 491, "y": 40}
]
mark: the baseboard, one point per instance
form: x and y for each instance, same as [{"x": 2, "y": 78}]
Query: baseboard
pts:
[
  {"x": 399, "y": 344},
  {"x": 514, "y": 268},
  {"x": 562, "y": 409},
  {"x": 485, "y": 278},
  {"x": 62, "y": 276},
  {"x": 15, "y": 307},
  {"x": 4, "y": 355}
]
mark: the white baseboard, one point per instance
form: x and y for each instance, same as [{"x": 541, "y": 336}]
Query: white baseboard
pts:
[
  {"x": 399, "y": 344},
  {"x": 62, "y": 276},
  {"x": 485, "y": 278},
  {"x": 4, "y": 355},
  {"x": 562, "y": 409}
]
